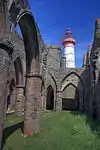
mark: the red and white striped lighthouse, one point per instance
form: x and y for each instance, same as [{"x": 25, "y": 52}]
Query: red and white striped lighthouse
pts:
[{"x": 69, "y": 53}]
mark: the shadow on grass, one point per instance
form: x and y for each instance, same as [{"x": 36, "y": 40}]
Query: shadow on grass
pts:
[
  {"x": 93, "y": 123},
  {"x": 10, "y": 130},
  {"x": 77, "y": 112}
]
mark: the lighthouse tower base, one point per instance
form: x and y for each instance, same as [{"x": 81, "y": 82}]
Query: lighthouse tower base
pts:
[{"x": 70, "y": 57}]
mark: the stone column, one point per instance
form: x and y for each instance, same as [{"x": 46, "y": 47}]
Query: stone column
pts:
[
  {"x": 13, "y": 98},
  {"x": 43, "y": 99},
  {"x": 2, "y": 112},
  {"x": 32, "y": 104},
  {"x": 3, "y": 85},
  {"x": 20, "y": 98},
  {"x": 59, "y": 100},
  {"x": 4, "y": 73}
]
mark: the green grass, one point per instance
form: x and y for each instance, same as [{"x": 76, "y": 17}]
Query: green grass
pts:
[{"x": 58, "y": 131}]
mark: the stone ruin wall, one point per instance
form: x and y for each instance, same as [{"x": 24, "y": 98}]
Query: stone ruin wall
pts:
[{"x": 52, "y": 64}]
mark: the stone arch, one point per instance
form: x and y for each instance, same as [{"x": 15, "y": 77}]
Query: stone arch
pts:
[
  {"x": 71, "y": 101},
  {"x": 53, "y": 80},
  {"x": 50, "y": 98},
  {"x": 79, "y": 84},
  {"x": 29, "y": 33},
  {"x": 7, "y": 46},
  {"x": 50, "y": 80},
  {"x": 75, "y": 73},
  {"x": 20, "y": 14}
]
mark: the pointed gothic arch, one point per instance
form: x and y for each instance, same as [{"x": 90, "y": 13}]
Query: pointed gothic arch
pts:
[
  {"x": 70, "y": 97},
  {"x": 53, "y": 79},
  {"x": 29, "y": 33},
  {"x": 78, "y": 83},
  {"x": 74, "y": 73}
]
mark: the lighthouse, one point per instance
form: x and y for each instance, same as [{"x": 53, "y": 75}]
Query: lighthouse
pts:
[{"x": 69, "y": 54}]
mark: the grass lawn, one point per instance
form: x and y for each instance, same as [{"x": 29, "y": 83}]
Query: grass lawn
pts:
[{"x": 59, "y": 131}]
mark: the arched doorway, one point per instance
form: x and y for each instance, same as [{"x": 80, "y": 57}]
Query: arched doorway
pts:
[
  {"x": 50, "y": 98},
  {"x": 75, "y": 79},
  {"x": 70, "y": 97}
]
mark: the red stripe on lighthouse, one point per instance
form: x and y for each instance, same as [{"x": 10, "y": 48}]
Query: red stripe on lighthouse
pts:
[
  {"x": 68, "y": 40},
  {"x": 68, "y": 45}
]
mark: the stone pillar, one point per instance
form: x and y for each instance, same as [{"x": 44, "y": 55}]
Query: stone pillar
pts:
[
  {"x": 3, "y": 82},
  {"x": 4, "y": 73},
  {"x": 20, "y": 98},
  {"x": 13, "y": 98},
  {"x": 59, "y": 100},
  {"x": 2, "y": 114},
  {"x": 32, "y": 104},
  {"x": 43, "y": 99}
]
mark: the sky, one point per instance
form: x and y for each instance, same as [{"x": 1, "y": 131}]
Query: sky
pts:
[{"x": 55, "y": 16}]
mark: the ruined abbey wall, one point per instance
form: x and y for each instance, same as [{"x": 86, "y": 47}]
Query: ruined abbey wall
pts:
[
  {"x": 50, "y": 62},
  {"x": 33, "y": 76}
]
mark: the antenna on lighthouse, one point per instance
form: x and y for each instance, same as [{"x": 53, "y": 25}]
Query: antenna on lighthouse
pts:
[{"x": 69, "y": 54}]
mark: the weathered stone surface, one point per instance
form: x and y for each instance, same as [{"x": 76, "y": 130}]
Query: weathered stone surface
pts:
[
  {"x": 12, "y": 47},
  {"x": 3, "y": 82},
  {"x": 20, "y": 100},
  {"x": 32, "y": 105},
  {"x": 97, "y": 33}
]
